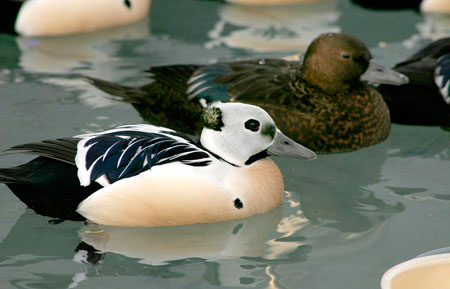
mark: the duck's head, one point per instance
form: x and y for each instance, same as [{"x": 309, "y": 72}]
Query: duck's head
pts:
[
  {"x": 335, "y": 62},
  {"x": 243, "y": 133}
]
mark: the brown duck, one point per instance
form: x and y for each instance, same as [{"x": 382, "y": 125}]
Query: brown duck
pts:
[{"x": 324, "y": 103}]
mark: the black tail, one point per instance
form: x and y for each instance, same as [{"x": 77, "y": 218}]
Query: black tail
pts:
[
  {"x": 49, "y": 187},
  {"x": 162, "y": 102},
  {"x": 7, "y": 176},
  {"x": 168, "y": 79},
  {"x": 125, "y": 93},
  {"x": 8, "y": 15}
]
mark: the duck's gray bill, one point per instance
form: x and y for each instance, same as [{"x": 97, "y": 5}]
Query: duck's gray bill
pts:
[
  {"x": 383, "y": 75},
  {"x": 284, "y": 146}
]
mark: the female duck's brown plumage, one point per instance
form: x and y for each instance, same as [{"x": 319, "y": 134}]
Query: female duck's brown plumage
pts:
[{"x": 322, "y": 103}]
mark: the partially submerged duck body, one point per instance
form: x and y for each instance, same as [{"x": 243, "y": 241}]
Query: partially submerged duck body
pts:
[
  {"x": 425, "y": 6},
  {"x": 143, "y": 175},
  {"x": 425, "y": 100},
  {"x": 324, "y": 103},
  {"x": 60, "y": 17}
]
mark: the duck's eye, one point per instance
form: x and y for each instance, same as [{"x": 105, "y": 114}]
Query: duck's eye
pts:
[
  {"x": 127, "y": 3},
  {"x": 345, "y": 55},
  {"x": 252, "y": 124}
]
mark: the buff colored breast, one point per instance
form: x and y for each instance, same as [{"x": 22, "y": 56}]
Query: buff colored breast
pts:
[{"x": 177, "y": 195}]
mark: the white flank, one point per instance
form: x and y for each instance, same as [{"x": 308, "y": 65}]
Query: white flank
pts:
[
  {"x": 176, "y": 194},
  {"x": 172, "y": 194}
]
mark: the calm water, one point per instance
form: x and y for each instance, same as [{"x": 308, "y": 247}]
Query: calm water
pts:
[{"x": 346, "y": 218}]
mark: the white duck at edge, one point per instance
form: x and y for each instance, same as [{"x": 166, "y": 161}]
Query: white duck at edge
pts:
[
  {"x": 62, "y": 17},
  {"x": 144, "y": 175}
]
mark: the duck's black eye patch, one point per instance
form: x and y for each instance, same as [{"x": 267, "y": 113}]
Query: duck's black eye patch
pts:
[
  {"x": 238, "y": 204},
  {"x": 127, "y": 3},
  {"x": 345, "y": 55},
  {"x": 252, "y": 124}
]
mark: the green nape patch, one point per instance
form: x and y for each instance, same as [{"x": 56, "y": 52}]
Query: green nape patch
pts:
[
  {"x": 212, "y": 118},
  {"x": 269, "y": 130}
]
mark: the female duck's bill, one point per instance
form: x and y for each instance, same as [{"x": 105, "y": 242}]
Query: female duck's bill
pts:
[{"x": 377, "y": 73}]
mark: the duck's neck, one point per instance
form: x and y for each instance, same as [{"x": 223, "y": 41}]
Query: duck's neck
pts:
[
  {"x": 237, "y": 162},
  {"x": 256, "y": 157},
  {"x": 330, "y": 84},
  {"x": 230, "y": 149}
]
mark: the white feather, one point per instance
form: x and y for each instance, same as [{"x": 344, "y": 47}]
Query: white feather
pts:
[
  {"x": 198, "y": 92},
  {"x": 193, "y": 87},
  {"x": 80, "y": 160},
  {"x": 194, "y": 78},
  {"x": 103, "y": 181}
]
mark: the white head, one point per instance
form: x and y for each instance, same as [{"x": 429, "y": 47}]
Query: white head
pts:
[{"x": 242, "y": 133}]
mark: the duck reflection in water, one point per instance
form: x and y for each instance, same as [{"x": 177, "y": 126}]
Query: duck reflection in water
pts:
[
  {"x": 273, "y": 28},
  {"x": 159, "y": 245}
]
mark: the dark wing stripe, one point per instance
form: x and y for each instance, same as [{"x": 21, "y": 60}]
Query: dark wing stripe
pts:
[
  {"x": 125, "y": 153},
  {"x": 174, "y": 76},
  {"x": 63, "y": 149},
  {"x": 133, "y": 148},
  {"x": 134, "y": 166},
  {"x": 103, "y": 162},
  {"x": 98, "y": 149}
]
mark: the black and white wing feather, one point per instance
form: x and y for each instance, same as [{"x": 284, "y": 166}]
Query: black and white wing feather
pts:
[
  {"x": 129, "y": 150},
  {"x": 442, "y": 77}
]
